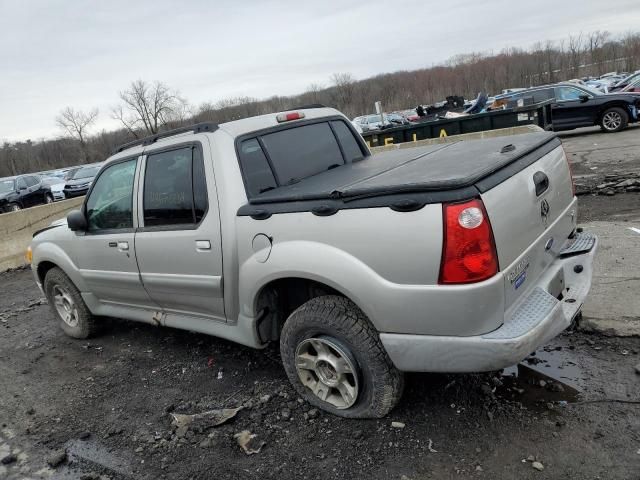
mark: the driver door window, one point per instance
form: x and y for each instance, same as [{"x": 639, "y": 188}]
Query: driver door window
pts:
[
  {"x": 110, "y": 204},
  {"x": 568, "y": 93}
]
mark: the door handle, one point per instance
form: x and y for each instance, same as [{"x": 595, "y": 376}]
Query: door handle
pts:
[
  {"x": 203, "y": 245},
  {"x": 541, "y": 182}
]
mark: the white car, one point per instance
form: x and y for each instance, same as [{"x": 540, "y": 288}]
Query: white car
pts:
[{"x": 56, "y": 185}]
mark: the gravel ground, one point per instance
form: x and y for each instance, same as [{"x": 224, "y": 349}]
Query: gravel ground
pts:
[{"x": 102, "y": 409}]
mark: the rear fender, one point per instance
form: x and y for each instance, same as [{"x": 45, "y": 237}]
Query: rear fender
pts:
[{"x": 312, "y": 261}]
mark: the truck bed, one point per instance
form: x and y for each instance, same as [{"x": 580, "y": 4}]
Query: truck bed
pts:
[{"x": 481, "y": 164}]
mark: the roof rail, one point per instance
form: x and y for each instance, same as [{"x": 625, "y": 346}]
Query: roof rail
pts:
[{"x": 197, "y": 128}]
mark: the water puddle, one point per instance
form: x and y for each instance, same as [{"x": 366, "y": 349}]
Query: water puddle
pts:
[{"x": 550, "y": 377}]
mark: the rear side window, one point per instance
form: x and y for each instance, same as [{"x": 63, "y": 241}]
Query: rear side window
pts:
[
  {"x": 21, "y": 183},
  {"x": 350, "y": 147},
  {"x": 301, "y": 152},
  {"x": 175, "y": 190},
  {"x": 258, "y": 174}
]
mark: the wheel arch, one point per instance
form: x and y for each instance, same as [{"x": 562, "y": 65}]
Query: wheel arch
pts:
[{"x": 612, "y": 104}]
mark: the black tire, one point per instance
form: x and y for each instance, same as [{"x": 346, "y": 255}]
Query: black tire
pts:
[
  {"x": 380, "y": 384},
  {"x": 48, "y": 198},
  {"x": 14, "y": 207},
  {"x": 83, "y": 324},
  {"x": 613, "y": 120}
]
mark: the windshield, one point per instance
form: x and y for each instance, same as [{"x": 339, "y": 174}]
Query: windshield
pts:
[
  {"x": 591, "y": 90},
  {"x": 7, "y": 186},
  {"x": 51, "y": 180},
  {"x": 86, "y": 172}
]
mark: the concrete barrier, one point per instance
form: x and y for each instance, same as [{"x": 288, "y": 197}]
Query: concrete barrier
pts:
[{"x": 16, "y": 229}]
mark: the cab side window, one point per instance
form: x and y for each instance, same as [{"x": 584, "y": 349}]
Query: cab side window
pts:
[
  {"x": 110, "y": 204},
  {"x": 21, "y": 184},
  {"x": 175, "y": 188},
  {"x": 31, "y": 181}
]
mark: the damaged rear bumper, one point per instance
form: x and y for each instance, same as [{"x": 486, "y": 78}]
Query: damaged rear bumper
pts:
[{"x": 536, "y": 319}]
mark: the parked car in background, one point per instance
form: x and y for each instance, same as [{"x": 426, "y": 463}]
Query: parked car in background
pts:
[
  {"x": 624, "y": 83},
  {"x": 372, "y": 122},
  {"x": 81, "y": 180},
  {"x": 633, "y": 87},
  {"x": 397, "y": 119},
  {"x": 23, "y": 191},
  {"x": 581, "y": 106},
  {"x": 56, "y": 185}
]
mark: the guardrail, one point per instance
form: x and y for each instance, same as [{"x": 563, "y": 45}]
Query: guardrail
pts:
[
  {"x": 537, "y": 114},
  {"x": 17, "y": 228}
]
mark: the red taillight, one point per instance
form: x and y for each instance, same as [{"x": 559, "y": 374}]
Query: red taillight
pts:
[
  {"x": 469, "y": 250},
  {"x": 286, "y": 117}
]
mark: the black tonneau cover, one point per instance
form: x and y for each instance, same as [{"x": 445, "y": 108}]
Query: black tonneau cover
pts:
[{"x": 445, "y": 170}]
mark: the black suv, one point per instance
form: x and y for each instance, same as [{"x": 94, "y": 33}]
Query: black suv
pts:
[
  {"x": 23, "y": 191},
  {"x": 580, "y": 106}
]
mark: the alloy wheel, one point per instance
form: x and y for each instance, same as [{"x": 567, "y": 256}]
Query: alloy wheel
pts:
[
  {"x": 327, "y": 369},
  {"x": 65, "y": 306},
  {"x": 612, "y": 121}
]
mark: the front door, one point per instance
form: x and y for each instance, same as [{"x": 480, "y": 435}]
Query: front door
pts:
[
  {"x": 178, "y": 243},
  {"x": 569, "y": 111},
  {"x": 105, "y": 254}
]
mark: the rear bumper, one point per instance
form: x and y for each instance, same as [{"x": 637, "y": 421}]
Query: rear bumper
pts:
[{"x": 536, "y": 319}]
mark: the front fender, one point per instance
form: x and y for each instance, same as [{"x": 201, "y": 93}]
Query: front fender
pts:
[{"x": 50, "y": 252}]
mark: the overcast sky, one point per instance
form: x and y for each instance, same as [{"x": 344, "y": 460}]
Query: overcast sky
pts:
[{"x": 58, "y": 53}]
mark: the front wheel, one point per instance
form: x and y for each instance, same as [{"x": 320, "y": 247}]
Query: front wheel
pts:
[
  {"x": 613, "y": 120},
  {"x": 335, "y": 360},
  {"x": 67, "y": 305},
  {"x": 14, "y": 207}
]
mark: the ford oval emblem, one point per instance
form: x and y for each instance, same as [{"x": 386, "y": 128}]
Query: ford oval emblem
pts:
[{"x": 544, "y": 211}]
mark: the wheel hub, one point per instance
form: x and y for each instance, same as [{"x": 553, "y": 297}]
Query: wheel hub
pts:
[
  {"x": 326, "y": 368},
  {"x": 65, "y": 306}
]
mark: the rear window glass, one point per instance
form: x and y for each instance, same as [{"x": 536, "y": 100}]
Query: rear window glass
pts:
[{"x": 301, "y": 152}]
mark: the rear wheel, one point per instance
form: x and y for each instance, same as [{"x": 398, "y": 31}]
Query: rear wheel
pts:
[
  {"x": 335, "y": 360},
  {"x": 67, "y": 305},
  {"x": 614, "y": 119}
]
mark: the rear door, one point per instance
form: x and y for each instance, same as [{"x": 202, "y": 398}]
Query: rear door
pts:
[
  {"x": 178, "y": 243},
  {"x": 105, "y": 255}
]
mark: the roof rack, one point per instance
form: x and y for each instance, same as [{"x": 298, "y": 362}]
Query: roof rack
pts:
[{"x": 197, "y": 128}]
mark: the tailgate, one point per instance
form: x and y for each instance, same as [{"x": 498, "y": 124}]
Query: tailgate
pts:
[{"x": 530, "y": 226}]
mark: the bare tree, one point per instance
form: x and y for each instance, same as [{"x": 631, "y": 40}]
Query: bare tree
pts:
[
  {"x": 76, "y": 123},
  {"x": 148, "y": 107}
]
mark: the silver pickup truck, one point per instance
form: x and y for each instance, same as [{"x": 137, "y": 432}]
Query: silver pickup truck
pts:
[{"x": 461, "y": 257}]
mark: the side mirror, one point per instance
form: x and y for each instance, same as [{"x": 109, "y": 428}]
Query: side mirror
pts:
[
  {"x": 76, "y": 221},
  {"x": 584, "y": 98}
]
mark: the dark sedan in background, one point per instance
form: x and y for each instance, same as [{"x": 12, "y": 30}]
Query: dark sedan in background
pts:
[
  {"x": 23, "y": 191},
  {"x": 576, "y": 105},
  {"x": 81, "y": 180}
]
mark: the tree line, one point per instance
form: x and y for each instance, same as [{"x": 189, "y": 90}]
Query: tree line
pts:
[{"x": 146, "y": 108}]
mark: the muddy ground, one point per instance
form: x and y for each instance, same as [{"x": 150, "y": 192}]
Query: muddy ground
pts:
[{"x": 102, "y": 408}]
